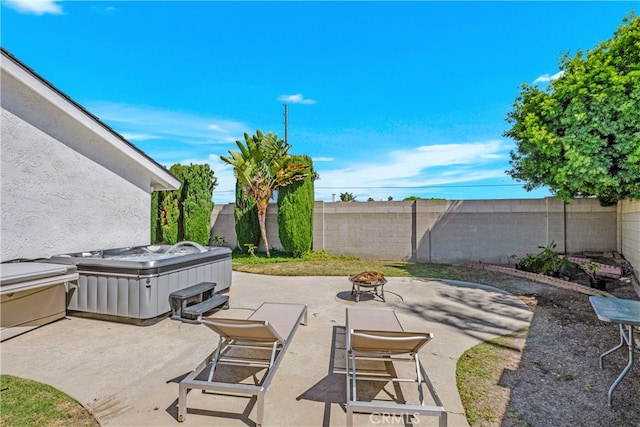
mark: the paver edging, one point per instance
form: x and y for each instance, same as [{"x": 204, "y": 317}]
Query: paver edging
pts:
[{"x": 540, "y": 278}]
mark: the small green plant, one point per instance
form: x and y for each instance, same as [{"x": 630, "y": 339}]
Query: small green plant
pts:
[
  {"x": 563, "y": 377},
  {"x": 219, "y": 240},
  {"x": 548, "y": 261},
  {"x": 251, "y": 249},
  {"x": 592, "y": 269}
]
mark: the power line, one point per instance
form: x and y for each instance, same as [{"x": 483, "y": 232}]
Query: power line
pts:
[
  {"x": 421, "y": 186},
  {"x": 402, "y": 187}
]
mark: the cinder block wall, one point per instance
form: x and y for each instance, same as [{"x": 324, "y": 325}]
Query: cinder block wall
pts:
[
  {"x": 485, "y": 230},
  {"x": 223, "y": 224},
  {"x": 450, "y": 231},
  {"x": 369, "y": 229},
  {"x": 629, "y": 232},
  {"x": 590, "y": 227}
]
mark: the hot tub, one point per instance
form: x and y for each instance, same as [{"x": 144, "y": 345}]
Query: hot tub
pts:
[{"x": 133, "y": 284}]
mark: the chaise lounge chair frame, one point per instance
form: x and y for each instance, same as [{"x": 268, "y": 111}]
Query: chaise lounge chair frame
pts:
[
  {"x": 375, "y": 334},
  {"x": 270, "y": 328}
]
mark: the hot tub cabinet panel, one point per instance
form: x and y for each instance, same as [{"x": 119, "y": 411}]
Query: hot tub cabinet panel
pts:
[
  {"x": 32, "y": 294},
  {"x": 26, "y": 310},
  {"x": 138, "y": 291}
]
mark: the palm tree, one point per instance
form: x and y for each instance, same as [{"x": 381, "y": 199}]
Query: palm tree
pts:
[
  {"x": 347, "y": 197},
  {"x": 261, "y": 167}
]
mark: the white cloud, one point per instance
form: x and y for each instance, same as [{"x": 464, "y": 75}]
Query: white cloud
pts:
[
  {"x": 295, "y": 99},
  {"x": 178, "y": 137},
  {"x": 171, "y": 137},
  {"x": 546, "y": 78},
  {"x": 36, "y": 7},
  {"x": 217, "y": 128},
  {"x": 137, "y": 136},
  {"x": 143, "y": 123},
  {"x": 416, "y": 168},
  {"x": 401, "y": 173}
]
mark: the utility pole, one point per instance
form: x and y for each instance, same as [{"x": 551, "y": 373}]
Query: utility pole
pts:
[{"x": 286, "y": 124}]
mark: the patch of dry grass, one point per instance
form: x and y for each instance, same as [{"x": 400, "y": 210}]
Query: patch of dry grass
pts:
[{"x": 479, "y": 373}]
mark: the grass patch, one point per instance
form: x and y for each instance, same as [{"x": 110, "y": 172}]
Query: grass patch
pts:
[
  {"x": 25, "y": 403},
  {"x": 478, "y": 377},
  {"x": 323, "y": 264}
]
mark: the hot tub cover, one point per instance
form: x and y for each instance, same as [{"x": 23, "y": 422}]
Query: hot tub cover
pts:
[{"x": 21, "y": 276}]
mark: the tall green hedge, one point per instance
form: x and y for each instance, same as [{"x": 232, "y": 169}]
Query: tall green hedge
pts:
[
  {"x": 170, "y": 213},
  {"x": 246, "y": 218},
  {"x": 155, "y": 217},
  {"x": 295, "y": 211},
  {"x": 184, "y": 214},
  {"x": 197, "y": 203}
]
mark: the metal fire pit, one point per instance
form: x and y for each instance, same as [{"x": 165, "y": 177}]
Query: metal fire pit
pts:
[{"x": 371, "y": 281}]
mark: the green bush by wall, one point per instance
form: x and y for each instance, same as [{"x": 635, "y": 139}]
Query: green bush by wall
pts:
[
  {"x": 155, "y": 217},
  {"x": 184, "y": 214},
  {"x": 246, "y": 219},
  {"x": 295, "y": 212},
  {"x": 197, "y": 203}
]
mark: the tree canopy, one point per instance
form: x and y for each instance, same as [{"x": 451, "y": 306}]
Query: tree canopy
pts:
[
  {"x": 347, "y": 197},
  {"x": 262, "y": 166},
  {"x": 581, "y": 135}
]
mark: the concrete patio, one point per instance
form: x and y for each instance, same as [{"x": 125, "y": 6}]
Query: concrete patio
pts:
[{"x": 128, "y": 375}]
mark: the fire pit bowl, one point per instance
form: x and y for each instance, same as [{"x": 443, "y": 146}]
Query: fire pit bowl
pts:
[{"x": 368, "y": 279}]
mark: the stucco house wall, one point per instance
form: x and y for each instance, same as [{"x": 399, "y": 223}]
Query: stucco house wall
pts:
[{"x": 68, "y": 182}]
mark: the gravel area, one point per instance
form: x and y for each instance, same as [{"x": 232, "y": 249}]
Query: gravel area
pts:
[{"x": 557, "y": 381}]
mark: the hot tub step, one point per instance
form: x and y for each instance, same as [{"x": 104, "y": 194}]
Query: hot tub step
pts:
[
  {"x": 193, "y": 312},
  {"x": 195, "y": 294},
  {"x": 193, "y": 290}
]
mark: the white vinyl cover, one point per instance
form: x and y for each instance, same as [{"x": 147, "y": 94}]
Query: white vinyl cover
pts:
[{"x": 21, "y": 276}]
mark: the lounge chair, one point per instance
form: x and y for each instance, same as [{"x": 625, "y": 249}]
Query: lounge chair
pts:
[
  {"x": 269, "y": 330},
  {"x": 375, "y": 334}
]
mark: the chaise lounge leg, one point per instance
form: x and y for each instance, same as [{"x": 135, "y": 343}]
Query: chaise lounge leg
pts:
[
  {"x": 443, "y": 419},
  {"x": 260, "y": 405},
  {"x": 182, "y": 402}
]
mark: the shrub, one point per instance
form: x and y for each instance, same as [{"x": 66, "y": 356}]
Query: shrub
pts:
[
  {"x": 156, "y": 233},
  {"x": 295, "y": 211},
  {"x": 184, "y": 214},
  {"x": 246, "y": 220},
  {"x": 546, "y": 262},
  {"x": 197, "y": 204}
]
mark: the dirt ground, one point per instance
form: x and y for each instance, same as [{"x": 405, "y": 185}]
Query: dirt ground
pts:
[{"x": 557, "y": 381}]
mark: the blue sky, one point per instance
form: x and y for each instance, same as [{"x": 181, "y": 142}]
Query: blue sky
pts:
[{"x": 388, "y": 98}]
